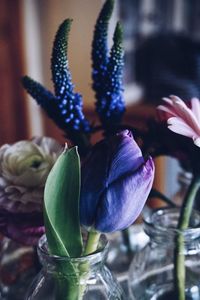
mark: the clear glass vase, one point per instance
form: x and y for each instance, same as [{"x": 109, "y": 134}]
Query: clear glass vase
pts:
[
  {"x": 84, "y": 278},
  {"x": 183, "y": 180},
  {"x": 123, "y": 245},
  {"x": 151, "y": 274}
]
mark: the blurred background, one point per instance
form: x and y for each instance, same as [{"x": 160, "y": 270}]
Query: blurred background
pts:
[{"x": 162, "y": 57}]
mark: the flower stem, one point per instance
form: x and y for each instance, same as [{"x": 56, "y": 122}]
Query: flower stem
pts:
[
  {"x": 91, "y": 246},
  {"x": 92, "y": 242},
  {"x": 67, "y": 289},
  {"x": 183, "y": 223}
]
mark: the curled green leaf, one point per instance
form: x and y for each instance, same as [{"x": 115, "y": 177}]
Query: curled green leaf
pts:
[{"x": 61, "y": 206}]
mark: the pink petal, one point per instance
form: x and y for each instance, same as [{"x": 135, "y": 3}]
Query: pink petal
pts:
[
  {"x": 196, "y": 141},
  {"x": 183, "y": 120},
  {"x": 167, "y": 100},
  {"x": 186, "y": 114},
  {"x": 179, "y": 126},
  {"x": 178, "y": 121},
  {"x": 196, "y": 108},
  {"x": 175, "y": 98},
  {"x": 173, "y": 101},
  {"x": 178, "y": 129},
  {"x": 166, "y": 109}
]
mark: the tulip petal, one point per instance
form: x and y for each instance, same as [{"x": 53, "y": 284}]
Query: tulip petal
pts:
[
  {"x": 93, "y": 182},
  {"x": 124, "y": 199},
  {"x": 115, "y": 183},
  {"x": 126, "y": 157},
  {"x": 109, "y": 160}
]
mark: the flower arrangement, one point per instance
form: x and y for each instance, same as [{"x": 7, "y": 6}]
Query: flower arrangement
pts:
[
  {"x": 105, "y": 189},
  {"x": 65, "y": 108},
  {"x": 103, "y": 203}
]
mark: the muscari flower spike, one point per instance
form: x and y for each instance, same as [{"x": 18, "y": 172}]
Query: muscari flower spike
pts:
[
  {"x": 65, "y": 107},
  {"x": 108, "y": 70}
]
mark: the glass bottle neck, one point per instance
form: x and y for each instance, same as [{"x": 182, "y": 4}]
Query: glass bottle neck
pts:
[
  {"x": 73, "y": 266},
  {"x": 161, "y": 226},
  {"x": 184, "y": 178}
]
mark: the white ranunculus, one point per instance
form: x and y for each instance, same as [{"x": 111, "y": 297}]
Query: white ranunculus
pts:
[{"x": 24, "y": 167}]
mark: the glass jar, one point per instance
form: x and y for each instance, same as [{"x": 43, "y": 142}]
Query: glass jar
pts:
[
  {"x": 123, "y": 245},
  {"x": 183, "y": 180},
  {"x": 83, "y": 278},
  {"x": 151, "y": 274}
]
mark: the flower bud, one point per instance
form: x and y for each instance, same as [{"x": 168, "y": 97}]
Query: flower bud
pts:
[{"x": 116, "y": 181}]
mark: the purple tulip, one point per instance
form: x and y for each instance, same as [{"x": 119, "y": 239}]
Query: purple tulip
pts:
[{"x": 116, "y": 181}]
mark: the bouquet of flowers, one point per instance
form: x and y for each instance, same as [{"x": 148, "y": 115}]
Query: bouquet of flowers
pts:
[{"x": 105, "y": 189}]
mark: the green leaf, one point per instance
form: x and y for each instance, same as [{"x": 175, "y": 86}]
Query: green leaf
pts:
[{"x": 61, "y": 206}]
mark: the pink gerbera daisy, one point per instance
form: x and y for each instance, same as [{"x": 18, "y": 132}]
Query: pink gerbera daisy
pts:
[{"x": 181, "y": 119}]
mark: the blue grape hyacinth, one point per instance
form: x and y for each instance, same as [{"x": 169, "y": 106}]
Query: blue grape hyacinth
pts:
[
  {"x": 65, "y": 107},
  {"x": 107, "y": 71}
]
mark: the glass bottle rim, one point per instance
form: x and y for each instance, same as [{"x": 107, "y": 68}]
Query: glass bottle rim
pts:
[
  {"x": 155, "y": 224},
  {"x": 94, "y": 257},
  {"x": 184, "y": 178}
]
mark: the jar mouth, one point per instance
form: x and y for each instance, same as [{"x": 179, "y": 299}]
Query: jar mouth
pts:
[
  {"x": 96, "y": 256},
  {"x": 163, "y": 221}
]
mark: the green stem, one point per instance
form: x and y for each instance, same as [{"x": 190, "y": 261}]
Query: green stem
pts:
[
  {"x": 91, "y": 246},
  {"x": 184, "y": 219},
  {"x": 66, "y": 281},
  {"x": 92, "y": 242},
  {"x": 67, "y": 289}
]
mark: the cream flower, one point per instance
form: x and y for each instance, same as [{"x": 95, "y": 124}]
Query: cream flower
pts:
[
  {"x": 181, "y": 119},
  {"x": 24, "y": 167}
]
